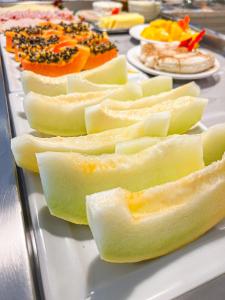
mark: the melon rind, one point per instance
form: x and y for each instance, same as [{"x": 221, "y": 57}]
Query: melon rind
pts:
[
  {"x": 25, "y": 147},
  {"x": 164, "y": 218},
  {"x": 67, "y": 178}
]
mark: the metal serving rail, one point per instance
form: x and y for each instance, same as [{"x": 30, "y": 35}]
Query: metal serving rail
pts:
[
  {"x": 20, "y": 276},
  {"x": 17, "y": 273}
]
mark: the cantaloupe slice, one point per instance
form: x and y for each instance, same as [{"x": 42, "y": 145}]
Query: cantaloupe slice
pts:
[
  {"x": 185, "y": 112},
  {"x": 130, "y": 227},
  {"x": 68, "y": 177},
  {"x": 156, "y": 85},
  {"x": 25, "y": 147},
  {"x": 113, "y": 72},
  {"x": 189, "y": 89}
]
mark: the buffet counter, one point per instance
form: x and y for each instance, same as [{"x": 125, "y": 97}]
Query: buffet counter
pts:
[{"x": 21, "y": 261}]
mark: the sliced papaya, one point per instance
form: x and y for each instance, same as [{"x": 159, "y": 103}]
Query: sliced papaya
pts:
[
  {"x": 96, "y": 60},
  {"x": 78, "y": 59}
]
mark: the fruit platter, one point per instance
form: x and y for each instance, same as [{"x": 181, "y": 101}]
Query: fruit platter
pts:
[
  {"x": 172, "y": 48},
  {"x": 124, "y": 182}
]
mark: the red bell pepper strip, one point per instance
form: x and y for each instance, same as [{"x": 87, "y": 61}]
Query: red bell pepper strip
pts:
[
  {"x": 185, "y": 43},
  {"x": 196, "y": 40}
]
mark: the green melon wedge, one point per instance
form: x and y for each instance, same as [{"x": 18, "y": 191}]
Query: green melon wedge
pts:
[
  {"x": 148, "y": 87},
  {"x": 131, "y": 227},
  {"x": 214, "y": 143},
  {"x": 68, "y": 177},
  {"x": 64, "y": 114},
  {"x": 189, "y": 89},
  {"x": 60, "y": 115},
  {"x": 156, "y": 85},
  {"x": 79, "y": 85},
  {"x": 25, "y": 147},
  {"x": 136, "y": 145},
  {"x": 113, "y": 72},
  {"x": 51, "y": 86},
  {"x": 185, "y": 112},
  {"x": 213, "y": 140}
]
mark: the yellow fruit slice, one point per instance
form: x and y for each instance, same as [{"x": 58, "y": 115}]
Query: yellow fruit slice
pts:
[
  {"x": 136, "y": 145},
  {"x": 80, "y": 85},
  {"x": 148, "y": 87},
  {"x": 68, "y": 177},
  {"x": 189, "y": 89},
  {"x": 157, "y": 85},
  {"x": 185, "y": 112},
  {"x": 113, "y": 72},
  {"x": 130, "y": 227},
  {"x": 51, "y": 86},
  {"x": 25, "y": 147},
  {"x": 213, "y": 140},
  {"x": 64, "y": 114},
  {"x": 60, "y": 115},
  {"x": 214, "y": 143}
]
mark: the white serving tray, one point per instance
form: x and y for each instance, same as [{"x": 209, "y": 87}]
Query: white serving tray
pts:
[
  {"x": 70, "y": 265},
  {"x": 13, "y": 72}
]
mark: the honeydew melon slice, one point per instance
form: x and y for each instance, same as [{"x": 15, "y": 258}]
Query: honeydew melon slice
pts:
[
  {"x": 156, "y": 85},
  {"x": 51, "y": 86},
  {"x": 151, "y": 86},
  {"x": 68, "y": 177},
  {"x": 26, "y": 146},
  {"x": 111, "y": 72},
  {"x": 130, "y": 227},
  {"x": 60, "y": 115},
  {"x": 214, "y": 143},
  {"x": 136, "y": 145},
  {"x": 189, "y": 89},
  {"x": 79, "y": 85},
  {"x": 64, "y": 114},
  {"x": 185, "y": 112},
  {"x": 213, "y": 140}
]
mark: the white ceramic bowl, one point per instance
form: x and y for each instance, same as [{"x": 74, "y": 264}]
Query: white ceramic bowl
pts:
[
  {"x": 106, "y": 7},
  {"x": 149, "y": 9}
]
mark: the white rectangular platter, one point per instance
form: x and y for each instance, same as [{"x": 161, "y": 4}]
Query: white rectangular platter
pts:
[{"x": 71, "y": 267}]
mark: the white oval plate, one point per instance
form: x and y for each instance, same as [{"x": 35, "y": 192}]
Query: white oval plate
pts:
[
  {"x": 133, "y": 58},
  {"x": 135, "y": 32}
]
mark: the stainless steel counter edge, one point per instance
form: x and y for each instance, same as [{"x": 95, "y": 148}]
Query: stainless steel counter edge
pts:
[{"x": 17, "y": 272}]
